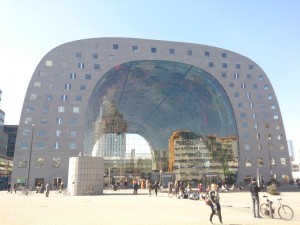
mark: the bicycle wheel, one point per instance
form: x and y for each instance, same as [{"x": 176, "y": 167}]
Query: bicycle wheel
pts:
[
  {"x": 285, "y": 212},
  {"x": 264, "y": 210},
  {"x": 171, "y": 194}
]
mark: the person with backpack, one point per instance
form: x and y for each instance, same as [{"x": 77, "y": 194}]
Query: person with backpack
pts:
[{"x": 213, "y": 196}]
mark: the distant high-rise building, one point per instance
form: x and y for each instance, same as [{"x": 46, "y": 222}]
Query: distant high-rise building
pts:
[
  {"x": 11, "y": 131},
  {"x": 2, "y": 113}
]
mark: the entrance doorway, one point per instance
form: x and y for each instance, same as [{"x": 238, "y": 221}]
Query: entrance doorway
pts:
[
  {"x": 56, "y": 182},
  {"x": 39, "y": 182}
]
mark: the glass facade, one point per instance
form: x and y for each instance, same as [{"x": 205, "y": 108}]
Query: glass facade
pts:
[{"x": 175, "y": 97}]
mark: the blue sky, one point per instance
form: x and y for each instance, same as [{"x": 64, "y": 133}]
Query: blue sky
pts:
[{"x": 266, "y": 31}]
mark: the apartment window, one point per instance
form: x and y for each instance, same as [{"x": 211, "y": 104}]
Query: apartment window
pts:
[
  {"x": 78, "y": 54},
  {"x": 243, "y": 115},
  {"x": 258, "y": 136},
  {"x": 251, "y": 105},
  {"x": 267, "y": 125},
  {"x": 276, "y": 117},
  {"x": 78, "y": 98},
  {"x": 73, "y": 76},
  {"x": 96, "y": 66},
  {"x": 281, "y": 147},
  {"x": 26, "y": 132},
  {"x": 88, "y": 76},
  {"x": 247, "y": 147},
  {"x": 73, "y": 133},
  {"x": 231, "y": 84},
  {"x": 44, "y": 120},
  {"x": 245, "y": 125},
  {"x": 249, "y": 76},
  {"x": 236, "y": 94},
  {"x": 260, "y": 162},
  {"x": 115, "y": 46},
  {"x": 269, "y": 137},
  {"x": 56, "y": 162},
  {"x": 248, "y": 162},
  {"x": 49, "y": 63},
  {"x": 111, "y": 57},
  {"x": 255, "y": 126},
  {"x": 49, "y": 97},
  {"x": 153, "y": 50},
  {"x": 22, "y": 164},
  {"x": 223, "y": 54},
  {"x": 206, "y": 54},
  {"x": 236, "y": 75},
  {"x": 238, "y": 66},
  {"x": 67, "y": 86},
  {"x": 243, "y": 85},
  {"x": 41, "y": 133},
  {"x": 260, "y": 77},
  {"x": 259, "y": 147},
  {"x": 224, "y": 65},
  {"x": 248, "y": 95},
  {"x": 28, "y": 120},
  {"x": 64, "y": 98},
  {"x": 56, "y": 145},
  {"x": 23, "y": 145},
  {"x": 59, "y": 120},
  {"x": 172, "y": 51},
  {"x": 37, "y": 84},
  {"x": 40, "y": 145},
  {"x": 75, "y": 109},
  {"x": 39, "y": 162},
  {"x": 224, "y": 74},
  {"x": 273, "y": 107},
  {"x": 240, "y": 105},
  {"x": 189, "y": 52},
  {"x": 61, "y": 109},
  {"x": 280, "y": 137},
  {"x": 254, "y": 115},
  {"x": 33, "y": 96},
  {"x": 57, "y": 133},
  {"x": 95, "y": 56},
  {"x": 266, "y": 86},
  {"x": 251, "y": 67},
  {"x": 72, "y": 145},
  {"x": 82, "y": 87},
  {"x": 273, "y": 163},
  {"x": 211, "y": 64},
  {"x": 74, "y": 121},
  {"x": 254, "y": 86},
  {"x": 134, "y": 48},
  {"x": 81, "y": 65}
]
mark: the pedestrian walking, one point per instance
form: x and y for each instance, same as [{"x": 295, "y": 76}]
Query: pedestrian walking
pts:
[
  {"x": 213, "y": 196},
  {"x": 254, "y": 189},
  {"x": 47, "y": 188}
]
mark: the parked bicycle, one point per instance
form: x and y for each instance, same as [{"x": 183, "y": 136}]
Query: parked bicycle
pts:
[
  {"x": 285, "y": 212},
  {"x": 65, "y": 192},
  {"x": 26, "y": 191},
  {"x": 90, "y": 191},
  {"x": 173, "y": 192}
]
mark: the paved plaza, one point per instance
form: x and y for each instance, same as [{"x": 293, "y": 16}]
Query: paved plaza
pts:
[{"x": 124, "y": 208}]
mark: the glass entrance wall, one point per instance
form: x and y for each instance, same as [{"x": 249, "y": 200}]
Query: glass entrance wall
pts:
[{"x": 154, "y": 99}]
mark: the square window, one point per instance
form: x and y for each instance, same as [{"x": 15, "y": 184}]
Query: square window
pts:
[
  {"x": 88, "y": 76},
  {"x": 251, "y": 67},
  {"x": 75, "y": 109},
  {"x": 224, "y": 74},
  {"x": 56, "y": 145},
  {"x": 37, "y": 84},
  {"x": 248, "y": 162},
  {"x": 81, "y": 65},
  {"x": 260, "y": 77},
  {"x": 73, "y": 133},
  {"x": 115, "y": 46},
  {"x": 82, "y": 87},
  {"x": 240, "y": 105},
  {"x": 134, "y": 48},
  {"x": 236, "y": 75},
  {"x": 236, "y": 95},
  {"x": 40, "y": 145},
  {"x": 73, "y": 76},
  {"x": 206, "y": 54},
  {"x": 95, "y": 56},
  {"x": 74, "y": 121},
  {"x": 56, "y": 162},
  {"x": 189, "y": 52},
  {"x": 172, "y": 51},
  {"x": 266, "y": 86},
  {"x": 224, "y": 55},
  {"x": 78, "y": 54},
  {"x": 224, "y": 65},
  {"x": 59, "y": 120},
  {"x": 39, "y": 162},
  {"x": 249, "y": 76},
  {"x": 48, "y": 63},
  {"x": 245, "y": 125},
  {"x": 211, "y": 64},
  {"x": 67, "y": 86},
  {"x": 243, "y": 115},
  {"x": 44, "y": 120},
  {"x": 61, "y": 109},
  {"x": 33, "y": 96},
  {"x": 254, "y": 86},
  {"x": 72, "y": 145},
  {"x": 57, "y": 133},
  {"x": 231, "y": 84},
  {"x": 22, "y": 164},
  {"x": 238, "y": 66},
  {"x": 64, "y": 98},
  {"x": 153, "y": 50},
  {"x": 243, "y": 85},
  {"x": 260, "y": 162},
  {"x": 78, "y": 98},
  {"x": 97, "y": 66}
]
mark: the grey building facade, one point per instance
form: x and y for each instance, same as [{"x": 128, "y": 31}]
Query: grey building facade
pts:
[{"x": 85, "y": 89}]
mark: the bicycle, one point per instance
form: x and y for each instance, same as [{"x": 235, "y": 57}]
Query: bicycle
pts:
[
  {"x": 89, "y": 191},
  {"x": 65, "y": 192},
  {"x": 285, "y": 212},
  {"x": 173, "y": 192},
  {"x": 26, "y": 191}
]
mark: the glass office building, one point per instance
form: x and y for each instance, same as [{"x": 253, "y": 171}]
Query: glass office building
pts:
[{"x": 86, "y": 95}]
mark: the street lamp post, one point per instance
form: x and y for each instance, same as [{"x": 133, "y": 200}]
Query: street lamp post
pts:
[{"x": 29, "y": 162}]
